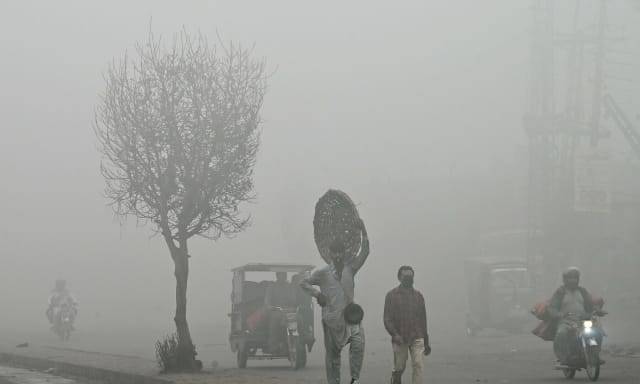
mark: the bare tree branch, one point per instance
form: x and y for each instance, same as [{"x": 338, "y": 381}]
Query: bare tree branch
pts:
[{"x": 178, "y": 131}]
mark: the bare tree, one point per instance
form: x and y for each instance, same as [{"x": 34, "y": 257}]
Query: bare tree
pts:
[{"x": 178, "y": 131}]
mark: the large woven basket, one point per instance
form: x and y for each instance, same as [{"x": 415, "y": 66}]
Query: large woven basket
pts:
[{"x": 336, "y": 217}]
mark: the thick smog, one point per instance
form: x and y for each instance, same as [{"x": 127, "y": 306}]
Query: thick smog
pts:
[{"x": 320, "y": 192}]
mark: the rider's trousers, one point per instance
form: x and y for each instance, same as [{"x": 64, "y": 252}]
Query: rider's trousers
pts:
[{"x": 562, "y": 341}]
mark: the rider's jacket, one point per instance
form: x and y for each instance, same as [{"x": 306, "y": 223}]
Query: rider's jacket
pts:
[{"x": 563, "y": 300}]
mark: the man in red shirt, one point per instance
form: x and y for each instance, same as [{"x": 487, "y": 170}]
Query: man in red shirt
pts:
[{"x": 405, "y": 318}]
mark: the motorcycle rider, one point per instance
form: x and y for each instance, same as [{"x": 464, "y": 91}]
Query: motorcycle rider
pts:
[
  {"x": 570, "y": 303},
  {"x": 59, "y": 297}
]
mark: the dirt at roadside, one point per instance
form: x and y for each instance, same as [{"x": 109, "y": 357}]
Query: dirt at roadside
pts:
[
  {"x": 628, "y": 350},
  {"x": 236, "y": 377}
]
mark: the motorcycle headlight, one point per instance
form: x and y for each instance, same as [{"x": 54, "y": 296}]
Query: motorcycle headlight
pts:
[{"x": 588, "y": 324}]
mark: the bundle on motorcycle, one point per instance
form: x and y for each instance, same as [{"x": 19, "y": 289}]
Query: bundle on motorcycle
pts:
[
  {"x": 253, "y": 335},
  {"x": 547, "y": 327}
]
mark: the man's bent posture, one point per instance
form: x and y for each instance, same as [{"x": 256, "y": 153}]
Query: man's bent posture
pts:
[{"x": 336, "y": 283}]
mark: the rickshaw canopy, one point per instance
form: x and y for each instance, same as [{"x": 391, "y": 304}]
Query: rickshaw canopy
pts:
[{"x": 274, "y": 267}]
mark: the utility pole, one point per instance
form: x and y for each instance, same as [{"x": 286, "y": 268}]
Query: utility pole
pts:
[
  {"x": 556, "y": 124},
  {"x": 598, "y": 81},
  {"x": 538, "y": 124}
]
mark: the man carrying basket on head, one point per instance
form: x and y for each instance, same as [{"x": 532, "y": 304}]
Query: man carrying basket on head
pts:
[{"x": 341, "y": 317}]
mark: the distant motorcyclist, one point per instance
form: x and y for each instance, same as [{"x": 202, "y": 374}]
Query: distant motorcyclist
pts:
[
  {"x": 60, "y": 297},
  {"x": 570, "y": 303}
]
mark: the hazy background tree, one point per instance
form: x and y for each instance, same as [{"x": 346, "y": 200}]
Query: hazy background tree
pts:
[{"x": 178, "y": 131}]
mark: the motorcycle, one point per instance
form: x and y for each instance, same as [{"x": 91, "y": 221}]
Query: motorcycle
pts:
[
  {"x": 296, "y": 343},
  {"x": 585, "y": 351},
  {"x": 63, "y": 321}
]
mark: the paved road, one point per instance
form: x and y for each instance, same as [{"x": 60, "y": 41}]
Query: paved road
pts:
[
  {"x": 10, "y": 375},
  {"x": 508, "y": 359},
  {"x": 488, "y": 358}
]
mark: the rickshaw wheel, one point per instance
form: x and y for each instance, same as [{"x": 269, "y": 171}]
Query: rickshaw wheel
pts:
[
  {"x": 471, "y": 332},
  {"x": 242, "y": 356},
  {"x": 301, "y": 355},
  {"x": 569, "y": 373},
  {"x": 297, "y": 352}
]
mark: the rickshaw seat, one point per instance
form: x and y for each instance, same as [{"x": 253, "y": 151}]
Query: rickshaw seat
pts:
[
  {"x": 252, "y": 306},
  {"x": 252, "y": 291}
]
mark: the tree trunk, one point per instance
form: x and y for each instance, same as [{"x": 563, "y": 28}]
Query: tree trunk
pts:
[{"x": 186, "y": 350}]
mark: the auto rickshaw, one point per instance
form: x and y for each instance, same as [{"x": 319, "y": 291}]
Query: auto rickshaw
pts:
[
  {"x": 499, "y": 294},
  {"x": 262, "y": 330}
]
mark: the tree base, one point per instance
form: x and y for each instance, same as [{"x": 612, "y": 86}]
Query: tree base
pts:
[
  {"x": 194, "y": 365},
  {"x": 173, "y": 357},
  {"x": 184, "y": 366},
  {"x": 186, "y": 361}
]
